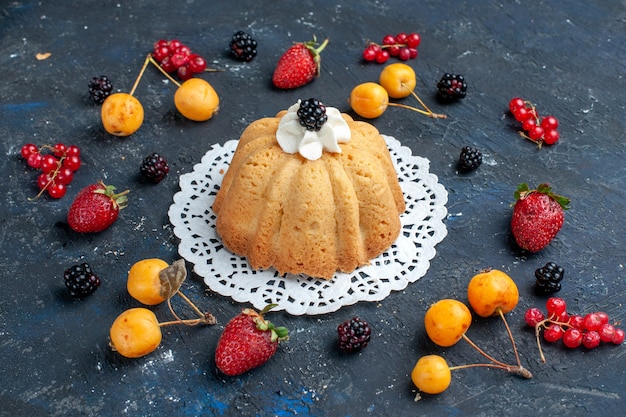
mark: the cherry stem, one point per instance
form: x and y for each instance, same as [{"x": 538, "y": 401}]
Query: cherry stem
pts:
[
  {"x": 156, "y": 64},
  {"x": 143, "y": 69},
  {"x": 517, "y": 370},
  {"x": 424, "y": 112},
  {"x": 508, "y": 330},
  {"x": 205, "y": 318},
  {"x": 193, "y": 306},
  {"x": 482, "y": 352}
]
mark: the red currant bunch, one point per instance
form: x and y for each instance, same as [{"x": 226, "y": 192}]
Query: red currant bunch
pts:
[
  {"x": 535, "y": 128},
  {"x": 574, "y": 330},
  {"x": 174, "y": 56},
  {"x": 402, "y": 46},
  {"x": 57, "y": 165}
]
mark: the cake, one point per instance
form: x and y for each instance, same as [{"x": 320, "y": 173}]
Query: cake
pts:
[{"x": 309, "y": 200}]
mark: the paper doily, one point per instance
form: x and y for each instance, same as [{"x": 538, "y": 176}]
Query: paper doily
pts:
[{"x": 230, "y": 275}]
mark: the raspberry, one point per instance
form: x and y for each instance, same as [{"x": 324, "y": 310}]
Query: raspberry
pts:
[
  {"x": 312, "y": 114},
  {"x": 243, "y": 46},
  {"x": 451, "y": 87},
  {"x": 100, "y": 88},
  {"x": 549, "y": 278},
  {"x": 470, "y": 159},
  {"x": 154, "y": 167},
  {"x": 354, "y": 334},
  {"x": 80, "y": 280}
]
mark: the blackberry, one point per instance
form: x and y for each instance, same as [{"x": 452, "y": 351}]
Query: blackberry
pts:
[
  {"x": 154, "y": 167},
  {"x": 470, "y": 159},
  {"x": 80, "y": 280},
  {"x": 354, "y": 334},
  {"x": 243, "y": 46},
  {"x": 549, "y": 278},
  {"x": 100, "y": 88},
  {"x": 312, "y": 114},
  {"x": 451, "y": 87}
]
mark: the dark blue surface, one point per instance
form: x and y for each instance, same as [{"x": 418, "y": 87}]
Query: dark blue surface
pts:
[{"x": 568, "y": 57}]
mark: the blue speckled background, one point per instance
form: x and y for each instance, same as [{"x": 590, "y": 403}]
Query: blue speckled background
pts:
[{"x": 568, "y": 57}]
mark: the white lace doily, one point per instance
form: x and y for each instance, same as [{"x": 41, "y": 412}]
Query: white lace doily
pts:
[{"x": 230, "y": 275}]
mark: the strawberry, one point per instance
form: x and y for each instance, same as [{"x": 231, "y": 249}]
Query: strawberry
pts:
[
  {"x": 248, "y": 341},
  {"x": 95, "y": 208},
  {"x": 299, "y": 65},
  {"x": 538, "y": 216}
]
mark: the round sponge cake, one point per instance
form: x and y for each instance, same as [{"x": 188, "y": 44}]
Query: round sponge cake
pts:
[{"x": 300, "y": 216}]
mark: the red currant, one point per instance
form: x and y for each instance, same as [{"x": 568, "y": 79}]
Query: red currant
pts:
[
  {"x": 179, "y": 59},
  {"x": 522, "y": 113},
  {"x": 533, "y": 316},
  {"x": 593, "y": 321},
  {"x": 552, "y": 333},
  {"x": 389, "y": 40},
  {"x": 577, "y": 322},
  {"x": 394, "y": 50},
  {"x": 412, "y": 53},
  {"x": 49, "y": 163},
  {"x": 536, "y": 133},
  {"x": 160, "y": 52},
  {"x": 550, "y": 137},
  {"x": 549, "y": 123},
  {"x": 572, "y": 338},
  {"x": 369, "y": 54},
  {"x": 555, "y": 306},
  {"x": 413, "y": 40},
  {"x": 44, "y": 180},
  {"x": 183, "y": 50},
  {"x": 65, "y": 175},
  {"x": 197, "y": 64},
  {"x": 404, "y": 54},
  {"x": 168, "y": 65},
  {"x": 57, "y": 190},
  {"x": 34, "y": 160},
  {"x": 28, "y": 150},
  {"x": 515, "y": 104},
  {"x": 382, "y": 56},
  {"x": 73, "y": 150},
  {"x": 174, "y": 44},
  {"x": 59, "y": 149},
  {"x": 607, "y": 332},
  {"x": 618, "y": 337},
  {"x": 184, "y": 73},
  {"x": 604, "y": 317},
  {"x": 72, "y": 162},
  {"x": 160, "y": 43},
  {"x": 529, "y": 124},
  {"x": 591, "y": 339},
  {"x": 401, "y": 38}
]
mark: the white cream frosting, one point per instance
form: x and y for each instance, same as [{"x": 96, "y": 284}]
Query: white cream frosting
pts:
[{"x": 293, "y": 137}]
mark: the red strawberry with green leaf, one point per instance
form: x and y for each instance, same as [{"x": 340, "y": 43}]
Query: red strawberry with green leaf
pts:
[
  {"x": 248, "y": 341},
  {"x": 299, "y": 65},
  {"x": 95, "y": 208},
  {"x": 538, "y": 216}
]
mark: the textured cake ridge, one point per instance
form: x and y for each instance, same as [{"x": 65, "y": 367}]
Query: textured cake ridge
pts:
[{"x": 309, "y": 217}]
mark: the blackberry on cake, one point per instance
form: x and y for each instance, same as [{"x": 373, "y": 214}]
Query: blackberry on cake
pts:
[{"x": 312, "y": 114}]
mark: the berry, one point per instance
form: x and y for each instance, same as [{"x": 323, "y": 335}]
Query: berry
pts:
[
  {"x": 607, "y": 332},
  {"x": 72, "y": 162},
  {"x": 572, "y": 338},
  {"x": 299, "y": 65},
  {"x": 403, "y": 46},
  {"x": 57, "y": 190},
  {"x": 312, "y": 114},
  {"x": 154, "y": 167},
  {"x": 550, "y": 137},
  {"x": 548, "y": 278},
  {"x": 431, "y": 374},
  {"x": 413, "y": 40},
  {"x": 354, "y": 334},
  {"x": 243, "y": 46},
  {"x": 247, "y": 342},
  {"x": 492, "y": 292},
  {"x": 618, "y": 337},
  {"x": 49, "y": 163},
  {"x": 549, "y": 123},
  {"x": 197, "y": 100},
  {"x": 95, "y": 208},
  {"x": 34, "y": 160},
  {"x": 100, "y": 88},
  {"x": 447, "y": 321},
  {"x": 555, "y": 306},
  {"x": 382, "y": 56},
  {"x": 196, "y": 64},
  {"x": 591, "y": 339},
  {"x": 80, "y": 280},
  {"x": 451, "y": 87},
  {"x": 534, "y": 316},
  {"x": 174, "y": 56},
  {"x": 538, "y": 215},
  {"x": 515, "y": 104},
  {"x": 28, "y": 150},
  {"x": 592, "y": 321},
  {"x": 576, "y": 321},
  {"x": 470, "y": 159},
  {"x": 135, "y": 333},
  {"x": 553, "y": 333}
]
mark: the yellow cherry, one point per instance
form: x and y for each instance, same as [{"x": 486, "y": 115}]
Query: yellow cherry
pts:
[
  {"x": 398, "y": 79},
  {"x": 492, "y": 292},
  {"x": 446, "y": 322},
  {"x": 144, "y": 283},
  {"x": 369, "y": 100},
  {"x": 431, "y": 374},
  {"x": 196, "y": 100},
  {"x": 135, "y": 333},
  {"x": 121, "y": 114}
]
